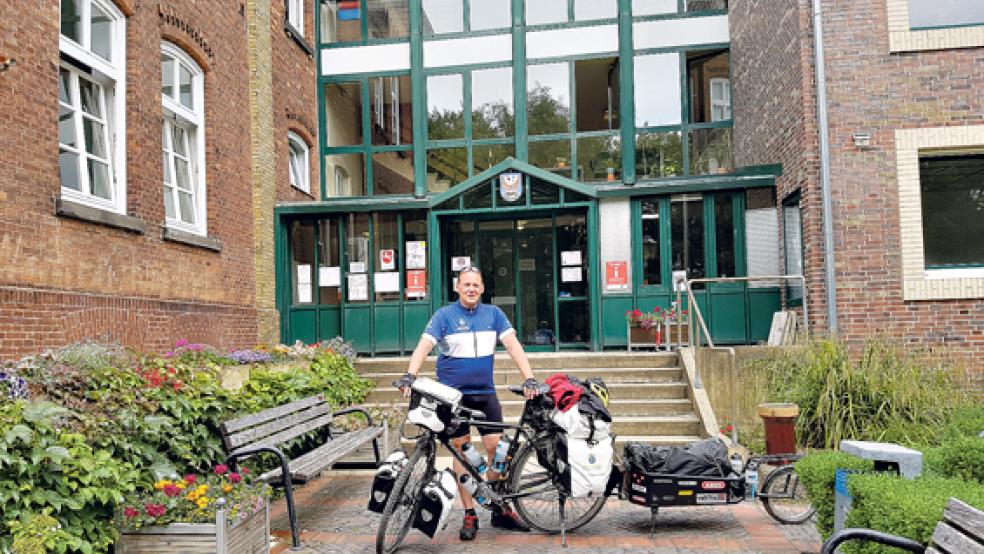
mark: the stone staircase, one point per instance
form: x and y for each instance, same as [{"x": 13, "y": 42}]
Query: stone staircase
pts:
[{"x": 650, "y": 399}]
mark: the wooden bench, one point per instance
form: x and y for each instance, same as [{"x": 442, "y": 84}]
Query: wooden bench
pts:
[
  {"x": 960, "y": 532},
  {"x": 268, "y": 430}
]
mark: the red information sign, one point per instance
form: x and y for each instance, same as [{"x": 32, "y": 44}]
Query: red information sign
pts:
[
  {"x": 416, "y": 283},
  {"x": 616, "y": 275}
]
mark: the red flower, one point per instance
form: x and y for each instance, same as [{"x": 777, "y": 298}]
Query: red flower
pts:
[
  {"x": 221, "y": 469},
  {"x": 130, "y": 512},
  {"x": 190, "y": 479},
  {"x": 171, "y": 490},
  {"x": 171, "y": 370},
  {"x": 244, "y": 471},
  {"x": 176, "y": 385},
  {"x": 235, "y": 477},
  {"x": 155, "y": 510},
  {"x": 729, "y": 428}
]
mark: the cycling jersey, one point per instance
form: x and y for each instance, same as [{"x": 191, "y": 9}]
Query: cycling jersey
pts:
[{"x": 466, "y": 339}]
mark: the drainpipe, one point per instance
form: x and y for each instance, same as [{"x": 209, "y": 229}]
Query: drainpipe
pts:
[{"x": 828, "y": 223}]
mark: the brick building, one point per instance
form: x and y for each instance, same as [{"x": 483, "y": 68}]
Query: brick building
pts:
[
  {"x": 906, "y": 132},
  {"x": 131, "y": 167}
]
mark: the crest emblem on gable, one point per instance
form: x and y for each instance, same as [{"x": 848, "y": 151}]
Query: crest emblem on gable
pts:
[{"x": 510, "y": 186}]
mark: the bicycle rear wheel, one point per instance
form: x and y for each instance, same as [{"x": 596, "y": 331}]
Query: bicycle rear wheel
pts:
[
  {"x": 785, "y": 497},
  {"x": 539, "y": 504},
  {"x": 404, "y": 498}
]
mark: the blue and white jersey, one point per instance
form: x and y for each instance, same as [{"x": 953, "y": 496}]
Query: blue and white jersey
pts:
[{"x": 466, "y": 339}]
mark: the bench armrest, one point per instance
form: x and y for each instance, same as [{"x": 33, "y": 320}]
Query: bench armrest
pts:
[
  {"x": 363, "y": 411},
  {"x": 870, "y": 535}
]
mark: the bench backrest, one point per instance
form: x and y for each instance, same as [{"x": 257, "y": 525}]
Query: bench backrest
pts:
[
  {"x": 962, "y": 529},
  {"x": 277, "y": 425}
]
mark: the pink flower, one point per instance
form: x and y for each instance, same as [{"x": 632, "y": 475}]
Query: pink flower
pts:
[
  {"x": 190, "y": 479},
  {"x": 196, "y": 347},
  {"x": 244, "y": 471},
  {"x": 235, "y": 477},
  {"x": 180, "y": 343},
  {"x": 221, "y": 469},
  {"x": 131, "y": 512},
  {"x": 171, "y": 490},
  {"x": 155, "y": 510},
  {"x": 168, "y": 354}
]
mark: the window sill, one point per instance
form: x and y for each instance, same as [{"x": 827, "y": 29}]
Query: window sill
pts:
[
  {"x": 302, "y": 191},
  {"x": 298, "y": 38},
  {"x": 74, "y": 210},
  {"x": 190, "y": 239},
  {"x": 955, "y": 273}
]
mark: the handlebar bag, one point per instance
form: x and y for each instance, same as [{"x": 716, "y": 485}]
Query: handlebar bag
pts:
[
  {"x": 382, "y": 482},
  {"x": 585, "y": 448},
  {"x": 437, "y": 501}
]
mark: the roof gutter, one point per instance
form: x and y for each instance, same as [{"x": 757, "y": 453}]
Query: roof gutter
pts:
[{"x": 822, "y": 129}]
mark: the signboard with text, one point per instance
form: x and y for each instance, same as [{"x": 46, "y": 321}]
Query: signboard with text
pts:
[{"x": 617, "y": 275}]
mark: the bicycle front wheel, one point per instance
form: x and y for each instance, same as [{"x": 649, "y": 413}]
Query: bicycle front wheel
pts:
[
  {"x": 538, "y": 502},
  {"x": 404, "y": 499},
  {"x": 785, "y": 497}
]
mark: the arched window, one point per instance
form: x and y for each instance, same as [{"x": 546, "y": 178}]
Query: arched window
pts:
[
  {"x": 183, "y": 140},
  {"x": 300, "y": 177},
  {"x": 91, "y": 115}
]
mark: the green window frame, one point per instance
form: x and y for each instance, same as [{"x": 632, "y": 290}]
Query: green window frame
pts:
[
  {"x": 643, "y": 10},
  {"x": 467, "y": 26},
  {"x": 571, "y": 11},
  {"x": 325, "y": 7}
]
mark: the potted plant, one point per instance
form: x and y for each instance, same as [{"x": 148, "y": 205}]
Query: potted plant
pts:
[
  {"x": 644, "y": 329},
  {"x": 223, "y": 513}
]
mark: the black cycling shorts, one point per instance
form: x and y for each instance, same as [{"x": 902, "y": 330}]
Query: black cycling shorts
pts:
[{"x": 489, "y": 405}]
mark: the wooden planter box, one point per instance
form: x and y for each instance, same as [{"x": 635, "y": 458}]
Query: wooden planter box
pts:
[
  {"x": 249, "y": 536},
  {"x": 643, "y": 338}
]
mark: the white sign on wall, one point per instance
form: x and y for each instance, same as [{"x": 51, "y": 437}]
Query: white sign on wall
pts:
[{"x": 358, "y": 286}]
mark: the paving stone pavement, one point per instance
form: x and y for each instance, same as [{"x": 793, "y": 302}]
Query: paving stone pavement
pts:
[{"x": 333, "y": 518}]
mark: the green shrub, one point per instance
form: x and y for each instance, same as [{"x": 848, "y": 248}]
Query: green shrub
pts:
[
  {"x": 817, "y": 472},
  {"x": 961, "y": 458},
  {"x": 965, "y": 422},
  {"x": 909, "y": 508},
  {"x": 888, "y": 393}
]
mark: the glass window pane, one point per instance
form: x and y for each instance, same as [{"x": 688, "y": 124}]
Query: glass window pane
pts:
[
  {"x": 64, "y": 85},
  {"x": 187, "y": 204},
  {"x": 653, "y": 7},
  {"x": 687, "y": 235},
  {"x": 446, "y": 167},
  {"x": 952, "y": 190},
  {"x": 443, "y": 16},
  {"x": 169, "y": 202},
  {"x": 572, "y": 235},
  {"x": 90, "y": 94},
  {"x": 328, "y": 256},
  {"x": 595, "y": 9},
  {"x": 302, "y": 245},
  {"x": 101, "y": 38},
  {"x": 479, "y": 196},
  {"x": 659, "y": 155},
  {"x": 386, "y": 250},
  {"x": 95, "y": 137},
  {"x": 445, "y": 107},
  {"x": 392, "y": 172},
  {"x": 703, "y": 69},
  {"x": 356, "y": 252},
  {"x": 183, "y": 174},
  {"x": 71, "y": 19},
  {"x": 599, "y": 159},
  {"x": 724, "y": 235},
  {"x": 341, "y": 21},
  {"x": 388, "y": 18},
  {"x": 710, "y": 151},
  {"x": 68, "y": 170},
  {"x": 652, "y": 264},
  {"x": 345, "y": 175},
  {"x": 99, "y": 179},
  {"x": 179, "y": 140},
  {"x": 485, "y": 156},
  {"x": 66, "y": 127},
  {"x": 167, "y": 75},
  {"x": 945, "y": 13},
  {"x": 792, "y": 233},
  {"x": 391, "y": 118},
  {"x": 184, "y": 86},
  {"x": 492, "y": 103},
  {"x": 490, "y": 14},
  {"x": 543, "y": 192},
  {"x": 545, "y": 11},
  {"x": 343, "y": 104},
  {"x": 702, "y": 5},
  {"x": 657, "y": 90},
  {"x": 597, "y": 103},
  {"x": 548, "y": 99},
  {"x": 165, "y": 163},
  {"x": 574, "y": 322},
  {"x": 552, "y": 155}
]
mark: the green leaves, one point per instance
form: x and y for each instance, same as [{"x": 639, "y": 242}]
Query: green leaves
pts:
[{"x": 21, "y": 432}]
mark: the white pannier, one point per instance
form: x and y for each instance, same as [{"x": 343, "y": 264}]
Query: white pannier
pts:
[
  {"x": 432, "y": 404},
  {"x": 437, "y": 501},
  {"x": 585, "y": 450},
  {"x": 386, "y": 476}
]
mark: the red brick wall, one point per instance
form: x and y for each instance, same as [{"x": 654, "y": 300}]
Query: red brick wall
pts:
[{"x": 66, "y": 279}]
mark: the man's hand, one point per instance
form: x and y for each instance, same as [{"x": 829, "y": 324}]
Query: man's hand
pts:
[
  {"x": 404, "y": 383},
  {"x": 531, "y": 389}
]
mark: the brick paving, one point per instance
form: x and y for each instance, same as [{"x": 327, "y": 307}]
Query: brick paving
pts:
[{"x": 333, "y": 518}]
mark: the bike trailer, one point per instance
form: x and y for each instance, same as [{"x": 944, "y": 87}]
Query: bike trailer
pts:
[
  {"x": 386, "y": 476},
  {"x": 662, "y": 489},
  {"x": 437, "y": 500}
]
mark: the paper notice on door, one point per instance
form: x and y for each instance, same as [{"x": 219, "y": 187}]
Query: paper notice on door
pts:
[
  {"x": 416, "y": 283},
  {"x": 304, "y": 293},
  {"x": 388, "y": 281},
  {"x": 571, "y": 257},
  {"x": 304, "y": 274},
  {"x": 460, "y": 262},
  {"x": 570, "y": 274},
  {"x": 357, "y": 267},
  {"x": 616, "y": 275},
  {"x": 387, "y": 259},
  {"x": 358, "y": 286},
  {"x": 416, "y": 254},
  {"x": 527, "y": 264},
  {"x": 329, "y": 276}
]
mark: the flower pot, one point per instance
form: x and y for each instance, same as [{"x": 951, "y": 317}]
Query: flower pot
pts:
[
  {"x": 249, "y": 535},
  {"x": 640, "y": 337}
]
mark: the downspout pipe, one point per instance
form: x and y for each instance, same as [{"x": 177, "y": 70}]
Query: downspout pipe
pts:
[{"x": 822, "y": 129}]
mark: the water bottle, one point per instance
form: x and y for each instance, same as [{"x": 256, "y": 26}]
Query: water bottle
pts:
[
  {"x": 751, "y": 480},
  {"x": 736, "y": 464},
  {"x": 474, "y": 458},
  {"x": 474, "y": 488},
  {"x": 501, "y": 449}
]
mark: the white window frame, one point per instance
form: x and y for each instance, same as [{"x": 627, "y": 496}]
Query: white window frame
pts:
[
  {"x": 192, "y": 120},
  {"x": 110, "y": 75},
  {"x": 298, "y": 162},
  {"x": 295, "y": 15},
  {"x": 342, "y": 178},
  {"x": 721, "y": 102}
]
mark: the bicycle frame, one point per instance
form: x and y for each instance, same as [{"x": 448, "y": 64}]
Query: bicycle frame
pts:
[{"x": 778, "y": 460}]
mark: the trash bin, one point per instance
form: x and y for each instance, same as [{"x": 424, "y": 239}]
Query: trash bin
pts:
[{"x": 780, "y": 427}]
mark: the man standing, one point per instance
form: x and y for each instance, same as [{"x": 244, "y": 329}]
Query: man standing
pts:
[{"x": 466, "y": 333}]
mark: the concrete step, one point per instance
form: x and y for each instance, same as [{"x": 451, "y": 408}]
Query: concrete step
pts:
[
  {"x": 538, "y": 360},
  {"x": 513, "y": 377},
  {"x": 616, "y": 391},
  {"x": 617, "y": 408},
  {"x": 680, "y": 424}
]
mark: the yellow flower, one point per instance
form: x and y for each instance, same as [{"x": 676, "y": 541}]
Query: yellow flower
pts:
[
  {"x": 181, "y": 485},
  {"x": 227, "y": 488},
  {"x": 161, "y": 484},
  {"x": 203, "y": 502}
]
